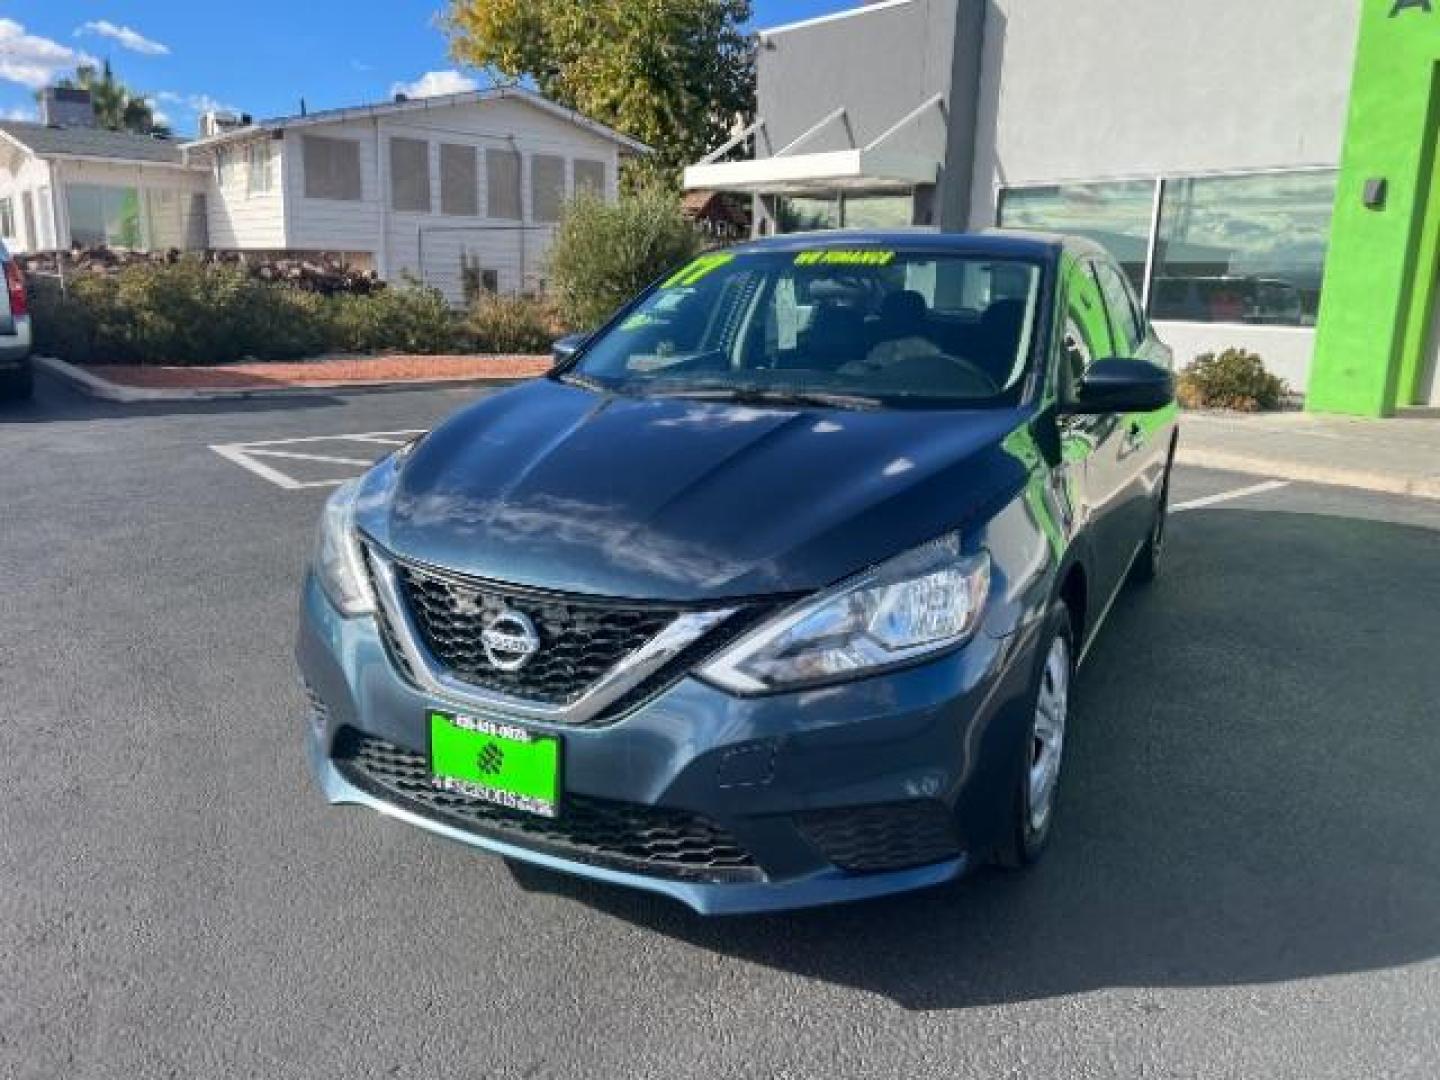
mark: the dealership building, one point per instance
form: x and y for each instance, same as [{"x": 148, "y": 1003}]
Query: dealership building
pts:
[{"x": 1266, "y": 172}]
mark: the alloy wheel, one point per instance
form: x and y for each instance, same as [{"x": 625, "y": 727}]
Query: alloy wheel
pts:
[{"x": 1047, "y": 739}]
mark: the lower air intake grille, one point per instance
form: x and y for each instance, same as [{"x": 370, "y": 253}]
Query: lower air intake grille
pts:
[
  {"x": 889, "y": 837},
  {"x": 625, "y": 836}
]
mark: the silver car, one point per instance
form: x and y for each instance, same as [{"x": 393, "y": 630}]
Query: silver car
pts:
[{"x": 16, "y": 376}]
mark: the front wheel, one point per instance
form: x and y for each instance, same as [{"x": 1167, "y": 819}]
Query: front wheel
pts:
[
  {"x": 1146, "y": 567},
  {"x": 1044, "y": 753}
]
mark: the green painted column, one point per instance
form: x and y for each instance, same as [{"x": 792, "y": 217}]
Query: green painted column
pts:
[{"x": 1381, "y": 267}]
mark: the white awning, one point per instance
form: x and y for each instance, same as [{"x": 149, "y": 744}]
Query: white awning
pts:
[{"x": 802, "y": 174}]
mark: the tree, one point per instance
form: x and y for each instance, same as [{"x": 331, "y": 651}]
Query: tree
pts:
[
  {"x": 117, "y": 107},
  {"x": 674, "y": 74},
  {"x": 603, "y": 254}
]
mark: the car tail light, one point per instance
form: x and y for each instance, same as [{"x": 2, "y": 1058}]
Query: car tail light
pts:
[{"x": 15, "y": 283}]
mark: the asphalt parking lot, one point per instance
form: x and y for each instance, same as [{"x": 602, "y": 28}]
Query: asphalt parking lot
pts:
[{"x": 1245, "y": 881}]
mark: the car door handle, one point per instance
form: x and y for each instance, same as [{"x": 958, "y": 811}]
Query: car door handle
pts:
[{"x": 1134, "y": 438}]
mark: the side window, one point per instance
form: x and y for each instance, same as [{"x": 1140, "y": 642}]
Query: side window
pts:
[
  {"x": 1087, "y": 335},
  {"x": 1121, "y": 308}
]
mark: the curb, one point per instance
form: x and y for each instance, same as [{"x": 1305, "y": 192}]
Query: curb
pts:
[
  {"x": 92, "y": 384},
  {"x": 1279, "y": 469}
]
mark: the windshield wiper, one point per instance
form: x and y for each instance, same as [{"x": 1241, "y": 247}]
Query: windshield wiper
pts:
[
  {"x": 756, "y": 395},
  {"x": 584, "y": 382}
]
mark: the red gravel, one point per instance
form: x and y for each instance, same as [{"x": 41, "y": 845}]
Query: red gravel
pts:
[{"x": 321, "y": 373}]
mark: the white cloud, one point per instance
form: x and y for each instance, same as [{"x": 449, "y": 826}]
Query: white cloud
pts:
[
  {"x": 125, "y": 37},
  {"x": 435, "y": 83},
  {"x": 34, "y": 61},
  {"x": 196, "y": 103}
]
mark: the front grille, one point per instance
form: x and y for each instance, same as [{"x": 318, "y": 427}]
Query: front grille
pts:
[
  {"x": 625, "y": 836},
  {"x": 888, "y": 837},
  {"x": 581, "y": 638}
]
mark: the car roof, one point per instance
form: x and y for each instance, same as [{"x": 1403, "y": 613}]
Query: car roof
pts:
[{"x": 992, "y": 243}]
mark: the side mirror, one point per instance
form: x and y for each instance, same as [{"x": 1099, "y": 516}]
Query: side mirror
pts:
[
  {"x": 1122, "y": 386},
  {"x": 564, "y": 350}
]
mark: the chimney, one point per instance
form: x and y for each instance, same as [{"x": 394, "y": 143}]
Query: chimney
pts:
[
  {"x": 63, "y": 106},
  {"x": 218, "y": 122}
]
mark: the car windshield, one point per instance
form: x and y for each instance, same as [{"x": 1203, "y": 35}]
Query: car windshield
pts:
[{"x": 861, "y": 328}]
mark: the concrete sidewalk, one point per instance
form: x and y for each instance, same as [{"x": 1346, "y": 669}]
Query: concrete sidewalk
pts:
[{"x": 1399, "y": 456}]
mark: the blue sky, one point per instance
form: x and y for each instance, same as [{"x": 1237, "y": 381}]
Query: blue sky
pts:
[{"x": 260, "y": 57}]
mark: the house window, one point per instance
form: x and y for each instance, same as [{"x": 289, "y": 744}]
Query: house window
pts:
[
  {"x": 547, "y": 187},
  {"x": 105, "y": 215},
  {"x": 459, "y": 181},
  {"x": 1116, "y": 215},
  {"x": 257, "y": 167},
  {"x": 177, "y": 219},
  {"x": 332, "y": 168},
  {"x": 410, "y": 175},
  {"x": 502, "y": 184},
  {"x": 7, "y": 217},
  {"x": 1245, "y": 249},
  {"x": 590, "y": 178}
]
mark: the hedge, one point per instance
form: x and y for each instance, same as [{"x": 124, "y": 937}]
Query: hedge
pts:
[{"x": 193, "y": 312}]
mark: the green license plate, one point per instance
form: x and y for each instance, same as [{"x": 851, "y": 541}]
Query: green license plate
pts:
[{"x": 495, "y": 762}]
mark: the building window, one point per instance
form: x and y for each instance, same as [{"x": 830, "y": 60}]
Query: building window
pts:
[
  {"x": 459, "y": 179},
  {"x": 1245, "y": 249},
  {"x": 332, "y": 168},
  {"x": 7, "y": 217},
  {"x": 410, "y": 175},
  {"x": 105, "y": 215},
  {"x": 547, "y": 187},
  {"x": 177, "y": 219},
  {"x": 502, "y": 184},
  {"x": 861, "y": 211},
  {"x": 590, "y": 178},
  {"x": 806, "y": 213},
  {"x": 257, "y": 168},
  {"x": 1116, "y": 215}
]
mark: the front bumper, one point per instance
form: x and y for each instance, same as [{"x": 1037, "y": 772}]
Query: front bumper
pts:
[{"x": 766, "y": 773}]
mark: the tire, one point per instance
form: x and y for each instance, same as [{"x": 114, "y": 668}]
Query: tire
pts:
[
  {"x": 18, "y": 387},
  {"x": 1146, "y": 567},
  {"x": 1043, "y": 750}
]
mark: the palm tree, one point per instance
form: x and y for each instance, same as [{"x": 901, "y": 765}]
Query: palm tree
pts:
[{"x": 117, "y": 107}]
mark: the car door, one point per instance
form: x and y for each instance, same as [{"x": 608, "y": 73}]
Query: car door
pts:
[
  {"x": 1093, "y": 440},
  {"x": 1145, "y": 444}
]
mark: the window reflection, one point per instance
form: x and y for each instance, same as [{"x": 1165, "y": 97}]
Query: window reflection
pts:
[
  {"x": 1115, "y": 215},
  {"x": 1243, "y": 248}
]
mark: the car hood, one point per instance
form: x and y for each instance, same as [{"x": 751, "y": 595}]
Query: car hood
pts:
[{"x": 554, "y": 486}]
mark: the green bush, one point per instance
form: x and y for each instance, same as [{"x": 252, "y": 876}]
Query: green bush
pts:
[
  {"x": 410, "y": 319},
  {"x": 518, "y": 325},
  {"x": 192, "y": 312},
  {"x": 1235, "y": 379},
  {"x": 605, "y": 253}
]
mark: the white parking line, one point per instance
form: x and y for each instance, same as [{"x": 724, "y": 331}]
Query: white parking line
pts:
[
  {"x": 248, "y": 456},
  {"x": 1227, "y": 496}
]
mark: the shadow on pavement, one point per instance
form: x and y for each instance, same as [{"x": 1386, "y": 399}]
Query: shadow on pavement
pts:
[{"x": 1252, "y": 794}]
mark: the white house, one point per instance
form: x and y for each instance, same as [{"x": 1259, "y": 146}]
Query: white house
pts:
[{"x": 435, "y": 188}]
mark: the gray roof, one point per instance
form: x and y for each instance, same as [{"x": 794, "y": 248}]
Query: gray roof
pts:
[
  {"x": 90, "y": 142},
  {"x": 422, "y": 104}
]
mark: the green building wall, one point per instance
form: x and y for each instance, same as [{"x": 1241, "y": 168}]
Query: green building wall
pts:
[{"x": 1380, "y": 273}]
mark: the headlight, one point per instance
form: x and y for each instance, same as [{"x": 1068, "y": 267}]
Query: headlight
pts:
[
  {"x": 920, "y": 603},
  {"x": 339, "y": 562}
]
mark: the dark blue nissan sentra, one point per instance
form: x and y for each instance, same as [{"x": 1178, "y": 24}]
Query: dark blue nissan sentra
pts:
[{"x": 773, "y": 591}]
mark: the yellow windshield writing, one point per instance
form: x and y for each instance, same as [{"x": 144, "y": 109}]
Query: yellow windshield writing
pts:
[
  {"x": 693, "y": 272},
  {"x": 845, "y": 258}
]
